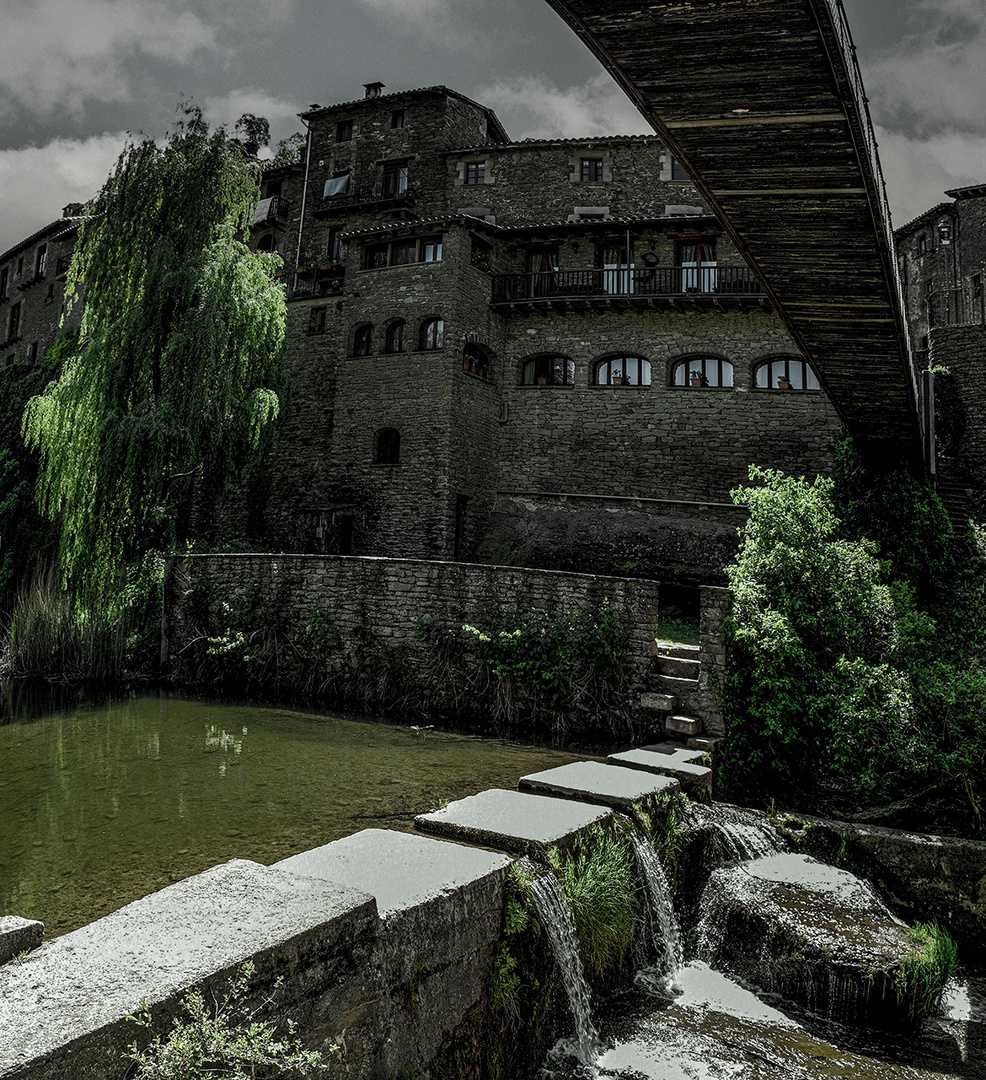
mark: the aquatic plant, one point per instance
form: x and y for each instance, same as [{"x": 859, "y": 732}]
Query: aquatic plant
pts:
[{"x": 921, "y": 979}]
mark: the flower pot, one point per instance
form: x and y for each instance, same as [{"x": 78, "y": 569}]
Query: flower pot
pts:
[
  {"x": 619, "y": 380},
  {"x": 542, "y": 381},
  {"x": 696, "y": 381},
  {"x": 783, "y": 384}
]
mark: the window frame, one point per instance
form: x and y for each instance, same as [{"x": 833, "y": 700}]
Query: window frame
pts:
[
  {"x": 398, "y": 119},
  {"x": 806, "y": 373},
  {"x": 683, "y": 366},
  {"x": 593, "y": 165},
  {"x": 380, "y": 256},
  {"x": 387, "y": 446},
  {"x": 431, "y": 334},
  {"x": 344, "y": 131},
  {"x": 474, "y": 174},
  {"x": 394, "y": 179},
  {"x": 618, "y": 366},
  {"x": 531, "y": 369},
  {"x": 316, "y": 320},
  {"x": 394, "y": 339},
  {"x": 363, "y": 340}
]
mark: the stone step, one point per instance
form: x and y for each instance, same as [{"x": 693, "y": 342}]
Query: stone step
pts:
[
  {"x": 691, "y": 775},
  {"x": 671, "y": 684},
  {"x": 677, "y": 667},
  {"x": 678, "y": 751},
  {"x": 674, "y": 648},
  {"x": 705, "y": 743},
  {"x": 682, "y": 725},
  {"x": 594, "y": 782},
  {"x": 659, "y": 702}
]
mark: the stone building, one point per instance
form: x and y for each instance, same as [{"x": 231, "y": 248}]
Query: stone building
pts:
[
  {"x": 544, "y": 353},
  {"x": 942, "y": 261}
]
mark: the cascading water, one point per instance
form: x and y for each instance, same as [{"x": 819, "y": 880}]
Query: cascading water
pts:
[
  {"x": 557, "y": 922},
  {"x": 662, "y": 923}
]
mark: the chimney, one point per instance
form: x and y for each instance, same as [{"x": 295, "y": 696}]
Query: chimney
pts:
[
  {"x": 373, "y": 89},
  {"x": 74, "y": 209}
]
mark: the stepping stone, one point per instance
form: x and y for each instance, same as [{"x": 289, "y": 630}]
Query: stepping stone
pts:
[
  {"x": 682, "y": 725},
  {"x": 591, "y": 781},
  {"x": 679, "y": 764},
  {"x": 677, "y": 752},
  {"x": 513, "y": 821},
  {"x": 18, "y": 935}
]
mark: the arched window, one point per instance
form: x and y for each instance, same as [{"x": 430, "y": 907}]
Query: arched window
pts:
[
  {"x": 388, "y": 446},
  {"x": 363, "y": 340},
  {"x": 266, "y": 243},
  {"x": 699, "y": 371},
  {"x": 477, "y": 360},
  {"x": 786, "y": 373},
  {"x": 623, "y": 371},
  {"x": 395, "y": 337},
  {"x": 432, "y": 334},
  {"x": 548, "y": 370}
]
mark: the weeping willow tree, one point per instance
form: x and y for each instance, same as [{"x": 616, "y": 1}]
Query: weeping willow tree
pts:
[{"x": 179, "y": 372}]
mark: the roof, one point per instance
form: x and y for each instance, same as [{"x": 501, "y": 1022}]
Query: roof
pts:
[
  {"x": 926, "y": 217},
  {"x": 974, "y": 191},
  {"x": 59, "y": 228},
  {"x": 585, "y": 143},
  {"x": 399, "y": 94}
]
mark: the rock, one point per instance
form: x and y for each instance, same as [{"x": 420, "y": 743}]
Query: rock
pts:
[
  {"x": 814, "y": 934},
  {"x": 18, "y": 935}
]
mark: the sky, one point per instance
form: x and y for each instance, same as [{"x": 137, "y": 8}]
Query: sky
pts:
[{"x": 77, "y": 75}]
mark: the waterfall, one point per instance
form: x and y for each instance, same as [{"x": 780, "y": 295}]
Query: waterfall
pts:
[
  {"x": 557, "y": 922},
  {"x": 661, "y": 923},
  {"x": 740, "y": 837}
]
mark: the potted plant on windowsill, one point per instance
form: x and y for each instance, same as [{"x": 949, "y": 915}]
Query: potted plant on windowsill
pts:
[
  {"x": 783, "y": 383},
  {"x": 542, "y": 380},
  {"x": 619, "y": 379},
  {"x": 696, "y": 378}
]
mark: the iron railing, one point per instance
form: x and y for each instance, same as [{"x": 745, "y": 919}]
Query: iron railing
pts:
[
  {"x": 385, "y": 190},
  {"x": 602, "y": 284}
]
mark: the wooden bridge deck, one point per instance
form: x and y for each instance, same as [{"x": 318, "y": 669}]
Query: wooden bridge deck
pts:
[{"x": 761, "y": 102}]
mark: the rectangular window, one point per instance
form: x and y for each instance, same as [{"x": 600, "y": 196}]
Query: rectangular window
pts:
[
  {"x": 677, "y": 172},
  {"x": 33, "y": 355},
  {"x": 3, "y": 280},
  {"x": 344, "y": 131},
  {"x": 403, "y": 252},
  {"x": 397, "y": 119},
  {"x": 20, "y": 266},
  {"x": 977, "y": 286},
  {"x": 41, "y": 261},
  {"x": 929, "y": 288},
  {"x": 475, "y": 172},
  {"x": 316, "y": 321},
  {"x": 592, "y": 170},
  {"x": 394, "y": 179},
  {"x": 923, "y": 244},
  {"x": 14, "y": 323},
  {"x": 334, "y": 248}
]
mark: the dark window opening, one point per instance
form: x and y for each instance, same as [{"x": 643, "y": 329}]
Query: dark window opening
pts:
[
  {"x": 363, "y": 340},
  {"x": 677, "y": 172},
  {"x": 403, "y": 252},
  {"x": 432, "y": 334},
  {"x": 316, "y": 321},
  {"x": 398, "y": 118},
  {"x": 548, "y": 371},
  {"x": 333, "y": 249},
  {"x": 592, "y": 170},
  {"x": 476, "y": 360},
  {"x": 623, "y": 371},
  {"x": 266, "y": 243},
  {"x": 345, "y": 534},
  {"x": 395, "y": 337},
  {"x": 344, "y": 131},
  {"x": 3, "y": 280},
  {"x": 41, "y": 261},
  {"x": 14, "y": 323},
  {"x": 33, "y": 354},
  {"x": 697, "y": 259},
  {"x": 475, "y": 172},
  {"x": 786, "y": 374},
  {"x": 923, "y": 244},
  {"x": 388, "y": 446},
  {"x": 702, "y": 371},
  {"x": 394, "y": 179}
]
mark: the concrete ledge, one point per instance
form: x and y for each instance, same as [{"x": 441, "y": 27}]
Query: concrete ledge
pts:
[
  {"x": 63, "y": 1009},
  {"x": 19, "y": 935},
  {"x": 593, "y": 782},
  {"x": 690, "y": 776},
  {"x": 513, "y": 821}
]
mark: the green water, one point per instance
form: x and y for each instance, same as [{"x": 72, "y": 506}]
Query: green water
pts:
[{"x": 102, "y": 805}]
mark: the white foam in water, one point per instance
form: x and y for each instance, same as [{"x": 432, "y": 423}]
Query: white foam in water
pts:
[
  {"x": 661, "y": 922},
  {"x": 657, "y": 1063},
  {"x": 956, "y": 1004},
  {"x": 702, "y": 987}
]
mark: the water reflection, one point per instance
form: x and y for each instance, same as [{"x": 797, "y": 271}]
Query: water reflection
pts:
[{"x": 103, "y": 804}]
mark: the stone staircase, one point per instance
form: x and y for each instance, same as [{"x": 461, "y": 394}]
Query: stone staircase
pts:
[
  {"x": 956, "y": 491},
  {"x": 674, "y": 690}
]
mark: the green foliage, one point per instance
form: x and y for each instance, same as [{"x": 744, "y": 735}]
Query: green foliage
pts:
[
  {"x": 178, "y": 371},
  {"x": 679, "y": 630},
  {"x": 902, "y": 514},
  {"x": 223, "y": 1037},
  {"x": 290, "y": 151},
  {"x": 600, "y": 885},
  {"x": 921, "y": 979}
]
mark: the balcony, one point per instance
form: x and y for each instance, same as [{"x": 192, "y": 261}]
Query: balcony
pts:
[
  {"x": 389, "y": 192},
  {"x": 313, "y": 281},
  {"x": 272, "y": 211},
  {"x": 672, "y": 288}
]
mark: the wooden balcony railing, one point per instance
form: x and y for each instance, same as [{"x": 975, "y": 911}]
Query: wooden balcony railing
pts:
[{"x": 644, "y": 282}]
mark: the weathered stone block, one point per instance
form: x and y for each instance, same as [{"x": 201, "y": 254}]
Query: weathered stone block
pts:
[
  {"x": 18, "y": 935},
  {"x": 593, "y": 782}
]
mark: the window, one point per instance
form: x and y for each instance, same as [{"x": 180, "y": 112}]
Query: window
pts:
[
  {"x": 14, "y": 323},
  {"x": 549, "y": 370},
  {"x": 316, "y": 321},
  {"x": 677, "y": 172},
  {"x": 432, "y": 334},
  {"x": 394, "y": 179},
  {"x": 41, "y": 261},
  {"x": 923, "y": 244},
  {"x": 333, "y": 250},
  {"x": 476, "y": 359},
  {"x": 403, "y": 252},
  {"x": 20, "y": 267},
  {"x": 398, "y": 118},
  {"x": 701, "y": 371},
  {"x": 977, "y": 286},
  {"x": 623, "y": 371},
  {"x": 697, "y": 259},
  {"x": 481, "y": 255},
  {"x": 475, "y": 172},
  {"x": 33, "y": 353},
  {"x": 786, "y": 374},
  {"x": 929, "y": 291},
  {"x": 3, "y": 280},
  {"x": 344, "y": 131},
  {"x": 592, "y": 170},
  {"x": 394, "y": 342},
  {"x": 388, "y": 446},
  {"x": 51, "y": 294},
  {"x": 363, "y": 340}
]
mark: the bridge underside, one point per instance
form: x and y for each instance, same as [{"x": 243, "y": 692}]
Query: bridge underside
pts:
[{"x": 760, "y": 101}]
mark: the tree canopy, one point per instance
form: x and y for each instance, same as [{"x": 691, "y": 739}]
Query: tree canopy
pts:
[{"x": 179, "y": 368}]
